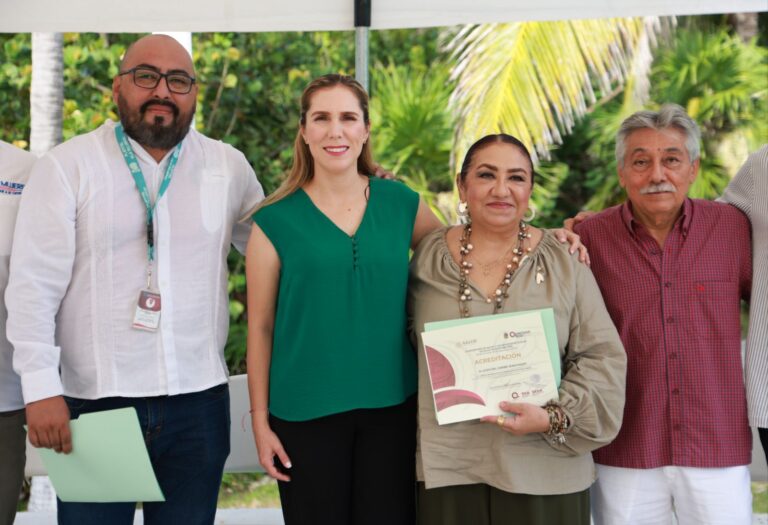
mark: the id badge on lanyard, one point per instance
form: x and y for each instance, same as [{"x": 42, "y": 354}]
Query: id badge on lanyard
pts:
[{"x": 148, "y": 306}]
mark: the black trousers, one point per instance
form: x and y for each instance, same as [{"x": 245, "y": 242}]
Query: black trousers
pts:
[
  {"x": 763, "y": 432},
  {"x": 352, "y": 468},
  {"x": 12, "y": 458}
]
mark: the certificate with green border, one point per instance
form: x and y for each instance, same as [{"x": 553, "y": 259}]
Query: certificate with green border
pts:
[{"x": 477, "y": 362}]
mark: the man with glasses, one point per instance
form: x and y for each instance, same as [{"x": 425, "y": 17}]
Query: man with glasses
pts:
[{"x": 118, "y": 288}]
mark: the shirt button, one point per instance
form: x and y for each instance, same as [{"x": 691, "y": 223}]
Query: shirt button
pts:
[
  {"x": 667, "y": 284},
  {"x": 678, "y": 427},
  {"x": 670, "y": 320},
  {"x": 673, "y": 356},
  {"x": 675, "y": 391}
]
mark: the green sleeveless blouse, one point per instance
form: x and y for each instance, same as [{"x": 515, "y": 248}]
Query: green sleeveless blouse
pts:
[{"x": 340, "y": 338}]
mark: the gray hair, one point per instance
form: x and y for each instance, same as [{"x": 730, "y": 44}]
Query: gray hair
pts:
[{"x": 670, "y": 115}]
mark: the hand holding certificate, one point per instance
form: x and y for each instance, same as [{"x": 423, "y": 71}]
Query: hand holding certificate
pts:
[{"x": 476, "y": 363}]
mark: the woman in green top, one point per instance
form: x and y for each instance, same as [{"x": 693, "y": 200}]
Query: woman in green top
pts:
[{"x": 331, "y": 374}]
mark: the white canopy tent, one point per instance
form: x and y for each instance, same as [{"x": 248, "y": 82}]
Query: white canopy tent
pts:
[
  {"x": 326, "y": 15},
  {"x": 315, "y": 15}
]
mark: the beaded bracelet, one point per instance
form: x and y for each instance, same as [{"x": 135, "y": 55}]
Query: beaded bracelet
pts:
[{"x": 558, "y": 422}]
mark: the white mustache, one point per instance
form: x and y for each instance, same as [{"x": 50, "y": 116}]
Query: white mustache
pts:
[{"x": 663, "y": 187}]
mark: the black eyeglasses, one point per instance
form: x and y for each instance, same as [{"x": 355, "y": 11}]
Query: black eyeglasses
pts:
[{"x": 146, "y": 78}]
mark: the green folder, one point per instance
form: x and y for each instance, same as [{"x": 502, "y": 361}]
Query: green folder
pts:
[
  {"x": 109, "y": 461},
  {"x": 547, "y": 319}
]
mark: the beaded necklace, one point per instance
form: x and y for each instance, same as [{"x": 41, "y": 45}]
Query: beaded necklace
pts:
[{"x": 465, "y": 246}]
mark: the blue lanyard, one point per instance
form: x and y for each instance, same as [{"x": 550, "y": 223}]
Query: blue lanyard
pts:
[{"x": 141, "y": 185}]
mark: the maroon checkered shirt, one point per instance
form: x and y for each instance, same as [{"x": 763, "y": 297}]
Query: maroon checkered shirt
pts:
[{"x": 677, "y": 312}]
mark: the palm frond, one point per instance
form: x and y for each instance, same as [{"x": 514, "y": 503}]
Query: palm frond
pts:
[
  {"x": 413, "y": 127},
  {"x": 719, "y": 79},
  {"x": 534, "y": 79}
]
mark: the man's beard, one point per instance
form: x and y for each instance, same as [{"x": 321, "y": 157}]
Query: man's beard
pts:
[{"x": 157, "y": 135}]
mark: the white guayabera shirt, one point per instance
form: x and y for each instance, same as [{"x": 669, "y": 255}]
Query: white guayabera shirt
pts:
[
  {"x": 15, "y": 164},
  {"x": 80, "y": 259},
  {"x": 748, "y": 191}
]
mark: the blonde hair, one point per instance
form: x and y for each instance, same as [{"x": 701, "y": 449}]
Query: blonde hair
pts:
[{"x": 302, "y": 170}]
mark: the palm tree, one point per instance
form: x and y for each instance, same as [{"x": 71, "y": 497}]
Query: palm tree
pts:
[
  {"x": 535, "y": 79},
  {"x": 46, "y": 110},
  {"x": 47, "y": 92},
  {"x": 745, "y": 25}
]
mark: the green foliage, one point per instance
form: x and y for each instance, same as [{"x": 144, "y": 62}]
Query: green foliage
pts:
[
  {"x": 250, "y": 86},
  {"x": 15, "y": 80},
  {"x": 717, "y": 78},
  {"x": 415, "y": 127},
  {"x": 416, "y": 48},
  {"x": 601, "y": 177},
  {"x": 548, "y": 181},
  {"x": 234, "y": 351},
  {"x": 759, "y": 497},
  {"x": 586, "y": 163},
  {"x": 90, "y": 62},
  {"x": 248, "y": 490}
]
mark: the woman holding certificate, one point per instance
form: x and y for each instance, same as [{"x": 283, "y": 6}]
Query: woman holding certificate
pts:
[
  {"x": 331, "y": 373},
  {"x": 547, "y": 330}
]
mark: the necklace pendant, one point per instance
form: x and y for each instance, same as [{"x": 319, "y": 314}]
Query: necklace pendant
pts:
[
  {"x": 518, "y": 256},
  {"x": 539, "y": 276}
]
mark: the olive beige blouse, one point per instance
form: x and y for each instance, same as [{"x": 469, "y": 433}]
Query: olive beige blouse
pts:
[{"x": 591, "y": 391}]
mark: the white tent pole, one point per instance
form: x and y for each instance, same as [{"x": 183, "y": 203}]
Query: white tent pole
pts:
[
  {"x": 361, "y": 56},
  {"x": 362, "y": 27}
]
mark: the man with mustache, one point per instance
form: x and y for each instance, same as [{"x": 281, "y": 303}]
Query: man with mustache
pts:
[
  {"x": 672, "y": 271},
  {"x": 118, "y": 288}
]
